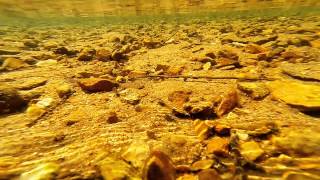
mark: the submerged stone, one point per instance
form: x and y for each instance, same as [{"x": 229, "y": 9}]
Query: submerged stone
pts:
[{"x": 305, "y": 97}]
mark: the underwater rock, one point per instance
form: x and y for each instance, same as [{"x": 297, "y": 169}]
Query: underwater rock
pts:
[
  {"x": 218, "y": 146},
  {"x": 254, "y": 49},
  {"x": 64, "y": 90},
  {"x": 112, "y": 118},
  {"x": 202, "y": 164},
  {"x": 114, "y": 169},
  {"x": 46, "y": 171},
  {"x": 103, "y": 55},
  {"x": 10, "y": 100},
  {"x": 251, "y": 150},
  {"x": 130, "y": 96},
  {"x": 12, "y": 64},
  {"x": 86, "y": 55},
  {"x": 32, "y": 83},
  {"x": 65, "y": 51},
  {"x": 96, "y": 84},
  {"x": 300, "y": 95},
  {"x": 302, "y": 142},
  {"x": 47, "y": 63},
  {"x": 304, "y": 71},
  {"x": 255, "y": 90},
  {"x": 9, "y": 52},
  {"x": 228, "y": 102},
  {"x": 159, "y": 167},
  {"x": 137, "y": 153},
  {"x": 208, "y": 174},
  {"x": 30, "y": 43}
]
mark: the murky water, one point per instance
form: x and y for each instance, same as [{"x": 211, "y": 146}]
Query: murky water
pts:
[{"x": 42, "y": 9}]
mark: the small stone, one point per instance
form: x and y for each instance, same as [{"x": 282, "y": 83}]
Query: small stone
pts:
[
  {"x": 218, "y": 146},
  {"x": 64, "y": 90},
  {"x": 228, "y": 102},
  {"x": 202, "y": 164},
  {"x": 222, "y": 129},
  {"x": 174, "y": 70},
  {"x": 199, "y": 108},
  {"x": 254, "y": 49},
  {"x": 137, "y": 153},
  {"x": 47, "y": 63},
  {"x": 207, "y": 66},
  {"x": 208, "y": 174},
  {"x": 32, "y": 83},
  {"x": 10, "y": 100},
  {"x": 291, "y": 175},
  {"x": 35, "y": 111},
  {"x": 151, "y": 43},
  {"x": 45, "y": 103},
  {"x": 251, "y": 150},
  {"x": 203, "y": 130},
  {"x": 112, "y": 118},
  {"x": 44, "y": 171},
  {"x": 96, "y": 84},
  {"x": 130, "y": 96},
  {"x": 253, "y": 89},
  {"x": 65, "y": 51},
  {"x": 13, "y": 64},
  {"x": 297, "y": 94},
  {"x": 114, "y": 169},
  {"x": 103, "y": 55},
  {"x": 84, "y": 56},
  {"x": 117, "y": 56},
  {"x": 30, "y": 43},
  {"x": 159, "y": 167}
]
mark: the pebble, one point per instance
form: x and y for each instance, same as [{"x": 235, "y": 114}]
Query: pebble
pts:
[
  {"x": 45, "y": 103},
  {"x": 12, "y": 64},
  {"x": 218, "y": 146},
  {"x": 30, "y": 43},
  {"x": 35, "y": 111},
  {"x": 47, "y": 63},
  {"x": 137, "y": 153},
  {"x": 112, "y": 118},
  {"x": 207, "y": 66},
  {"x": 130, "y": 96},
  {"x": 64, "y": 90},
  {"x": 103, "y": 55},
  {"x": 202, "y": 164},
  {"x": 10, "y": 100},
  {"x": 44, "y": 171},
  {"x": 251, "y": 150},
  {"x": 159, "y": 167},
  {"x": 255, "y": 90},
  {"x": 96, "y": 84}
]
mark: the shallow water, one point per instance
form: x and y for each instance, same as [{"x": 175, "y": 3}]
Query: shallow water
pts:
[{"x": 159, "y": 90}]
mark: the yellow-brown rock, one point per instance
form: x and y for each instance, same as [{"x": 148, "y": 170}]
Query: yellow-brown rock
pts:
[
  {"x": 304, "y": 96},
  {"x": 96, "y": 84}
]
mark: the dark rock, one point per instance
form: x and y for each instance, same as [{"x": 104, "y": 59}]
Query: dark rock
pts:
[
  {"x": 65, "y": 51},
  {"x": 96, "y": 84},
  {"x": 10, "y": 100}
]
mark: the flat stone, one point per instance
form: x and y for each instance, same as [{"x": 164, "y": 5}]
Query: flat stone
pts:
[
  {"x": 9, "y": 52},
  {"x": 251, "y": 150},
  {"x": 159, "y": 167},
  {"x": 44, "y": 171},
  {"x": 64, "y": 90},
  {"x": 304, "y": 96},
  {"x": 47, "y": 63},
  {"x": 218, "y": 146},
  {"x": 137, "y": 153},
  {"x": 130, "y": 96},
  {"x": 253, "y": 89},
  {"x": 202, "y": 164},
  {"x": 35, "y": 111},
  {"x": 32, "y": 83},
  {"x": 303, "y": 142},
  {"x": 96, "y": 84},
  {"x": 10, "y": 100},
  {"x": 103, "y": 55},
  {"x": 13, "y": 64},
  {"x": 304, "y": 71}
]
